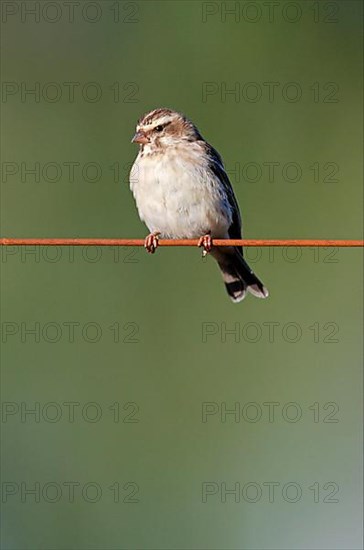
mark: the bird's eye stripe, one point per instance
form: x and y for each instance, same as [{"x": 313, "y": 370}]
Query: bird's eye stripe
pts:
[{"x": 161, "y": 127}]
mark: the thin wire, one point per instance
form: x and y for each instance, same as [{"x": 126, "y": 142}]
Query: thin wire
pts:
[{"x": 184, "y": 242}]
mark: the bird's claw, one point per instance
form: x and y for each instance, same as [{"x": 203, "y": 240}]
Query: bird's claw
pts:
[
  {"x": 206, "y": 243},
  {"x": 151, "y": 242}
]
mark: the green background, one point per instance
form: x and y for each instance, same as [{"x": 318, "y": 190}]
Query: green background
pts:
[{"x": 161, "y": 54}]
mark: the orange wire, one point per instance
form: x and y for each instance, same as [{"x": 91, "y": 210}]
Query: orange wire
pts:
[{"x": 183, "y": 242}]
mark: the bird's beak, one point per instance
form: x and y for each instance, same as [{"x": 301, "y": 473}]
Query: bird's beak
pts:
[{"x": 140, "y": 137}]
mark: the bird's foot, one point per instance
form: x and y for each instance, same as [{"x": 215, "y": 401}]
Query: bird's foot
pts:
[
  {"x": 206, "y": 243},
  {"x": 151, "y": 242}
]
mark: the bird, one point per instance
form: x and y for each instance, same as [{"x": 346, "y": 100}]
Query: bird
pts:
[{"x": 182, "y": 191}]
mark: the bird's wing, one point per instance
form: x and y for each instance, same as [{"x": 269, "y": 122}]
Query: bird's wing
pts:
[{"x": 217, "y": 167}]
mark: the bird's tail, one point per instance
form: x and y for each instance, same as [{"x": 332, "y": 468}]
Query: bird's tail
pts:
[{"x": 237, "y": 275}]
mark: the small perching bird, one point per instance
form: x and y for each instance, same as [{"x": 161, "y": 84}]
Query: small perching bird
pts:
[{"x": 183, "y": 192}]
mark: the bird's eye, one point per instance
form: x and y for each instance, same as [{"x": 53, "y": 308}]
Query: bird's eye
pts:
[{"x": 158, "y": 128}]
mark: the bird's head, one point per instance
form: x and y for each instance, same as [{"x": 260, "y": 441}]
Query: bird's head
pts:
[{"x": 163, "y": 128}]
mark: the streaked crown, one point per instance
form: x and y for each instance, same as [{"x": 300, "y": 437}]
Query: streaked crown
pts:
[{"x": 164, "y": 125}]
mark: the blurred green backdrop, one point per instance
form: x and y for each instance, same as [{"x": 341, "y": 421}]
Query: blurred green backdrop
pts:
[{"x": 131, "y": 369}]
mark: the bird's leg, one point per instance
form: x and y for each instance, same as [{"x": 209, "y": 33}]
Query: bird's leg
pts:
[
  {"x": 206, "y": 243},
  {"x": 151, "y": 242}
]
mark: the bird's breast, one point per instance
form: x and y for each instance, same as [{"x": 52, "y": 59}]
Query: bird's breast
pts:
[{"x": 179, "y": 196}]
